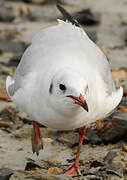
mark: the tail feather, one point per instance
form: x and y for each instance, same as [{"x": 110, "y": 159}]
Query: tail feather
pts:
[{"x": 66, "y": 15}]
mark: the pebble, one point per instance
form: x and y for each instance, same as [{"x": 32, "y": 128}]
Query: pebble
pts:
[
  {"x": 14, "y": 60},
  {"x": 53, "y": 170},
  {"x": 13, "y": 46},
  {"x": 96, "y": 164},
  {"x": 113, "y": 172},
  {"x": 31, "y": 166},
  {"x": 114, "y": 130},
  {"x": 5, "y": 173},
  {"x": 124, "y": 148},
  {"x": 6, "y": 14},
  {"x": 110, "y": 156},
  {"x": 92, "y": 137}
]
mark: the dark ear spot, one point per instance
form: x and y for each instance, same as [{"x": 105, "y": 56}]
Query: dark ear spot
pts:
[
  {"x": 86, "y": 89},
  {"x": 51, "y": 88}
]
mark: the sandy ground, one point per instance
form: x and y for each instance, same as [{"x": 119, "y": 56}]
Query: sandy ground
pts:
[{"x": 59, "y": 149}]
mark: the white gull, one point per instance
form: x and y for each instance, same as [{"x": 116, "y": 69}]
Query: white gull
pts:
[{"x": 59, "y": 73}]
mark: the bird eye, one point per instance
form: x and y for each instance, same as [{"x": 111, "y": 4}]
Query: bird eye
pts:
[{"x": 62, "y": 87}]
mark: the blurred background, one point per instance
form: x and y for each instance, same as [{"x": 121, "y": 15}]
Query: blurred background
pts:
[{"x": 105, "y": 22}]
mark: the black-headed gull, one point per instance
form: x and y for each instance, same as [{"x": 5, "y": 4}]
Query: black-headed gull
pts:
[{"x": 63, "y": 81}]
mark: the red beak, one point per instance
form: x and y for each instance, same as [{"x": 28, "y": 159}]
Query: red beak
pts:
[{"x": 80, "y": 101}]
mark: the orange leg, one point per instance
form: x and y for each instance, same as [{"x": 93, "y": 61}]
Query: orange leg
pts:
[
  {"x": 37, "y": 143},
  {"x": 74, "y": 169}
]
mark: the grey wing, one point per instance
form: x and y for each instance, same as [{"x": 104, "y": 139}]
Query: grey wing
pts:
[
  {"x": 15, "y": 82},
  {"x": 107, "y": 77}
]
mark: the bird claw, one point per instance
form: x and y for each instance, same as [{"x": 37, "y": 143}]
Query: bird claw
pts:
[
  {"x": 36, "y": 139},
  {"x": 71, "y": 171}
]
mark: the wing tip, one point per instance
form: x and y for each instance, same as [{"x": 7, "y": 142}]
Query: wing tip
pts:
[
  {"x": 119, "y": 95},
  {"x": 9, "y": 82},
  {"x": 121, "y": 91}
]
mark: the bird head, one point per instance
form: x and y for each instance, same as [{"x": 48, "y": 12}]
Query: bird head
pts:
[{"x": 68, "y": 92}]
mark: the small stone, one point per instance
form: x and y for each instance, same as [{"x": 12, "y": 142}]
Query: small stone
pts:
[
  {"x": 96, "y": 164},
  {"x": 5, "y": 173},
  {"x": 125, "y": 91},
  {"x": 6, "y": 14},
  {"x": 120, "y": 75},
  {"x": 14, "y": 60},
  {"x": 13, "y": 46},
  {"x": 110, "y": 156},
  {"x": 4, "y": 70},
  {"x": 120, "y": 115},
  {"x": 125, "y": 170},
  {"x": 92, "y": 137},
  {"x": 8, "y": 34},
  {"x": 32, "y": 166},
  {"x": 124, "y": 148},
  {"x": 47, "y": 140},
  {"x": 3, "y": 95},
  {"x": 122, "y": 109},
  {"x": 53, "y": 170},
  {"x": 113, "y": 172},
  {"x": 114, "y": 130},
  {"x": 22, "y": 10},
  {"x": 4, "y": 124},
  {"x": 100, "y": 124}
]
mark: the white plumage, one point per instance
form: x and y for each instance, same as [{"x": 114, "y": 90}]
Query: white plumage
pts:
[{"x": 63, "y": 54}]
